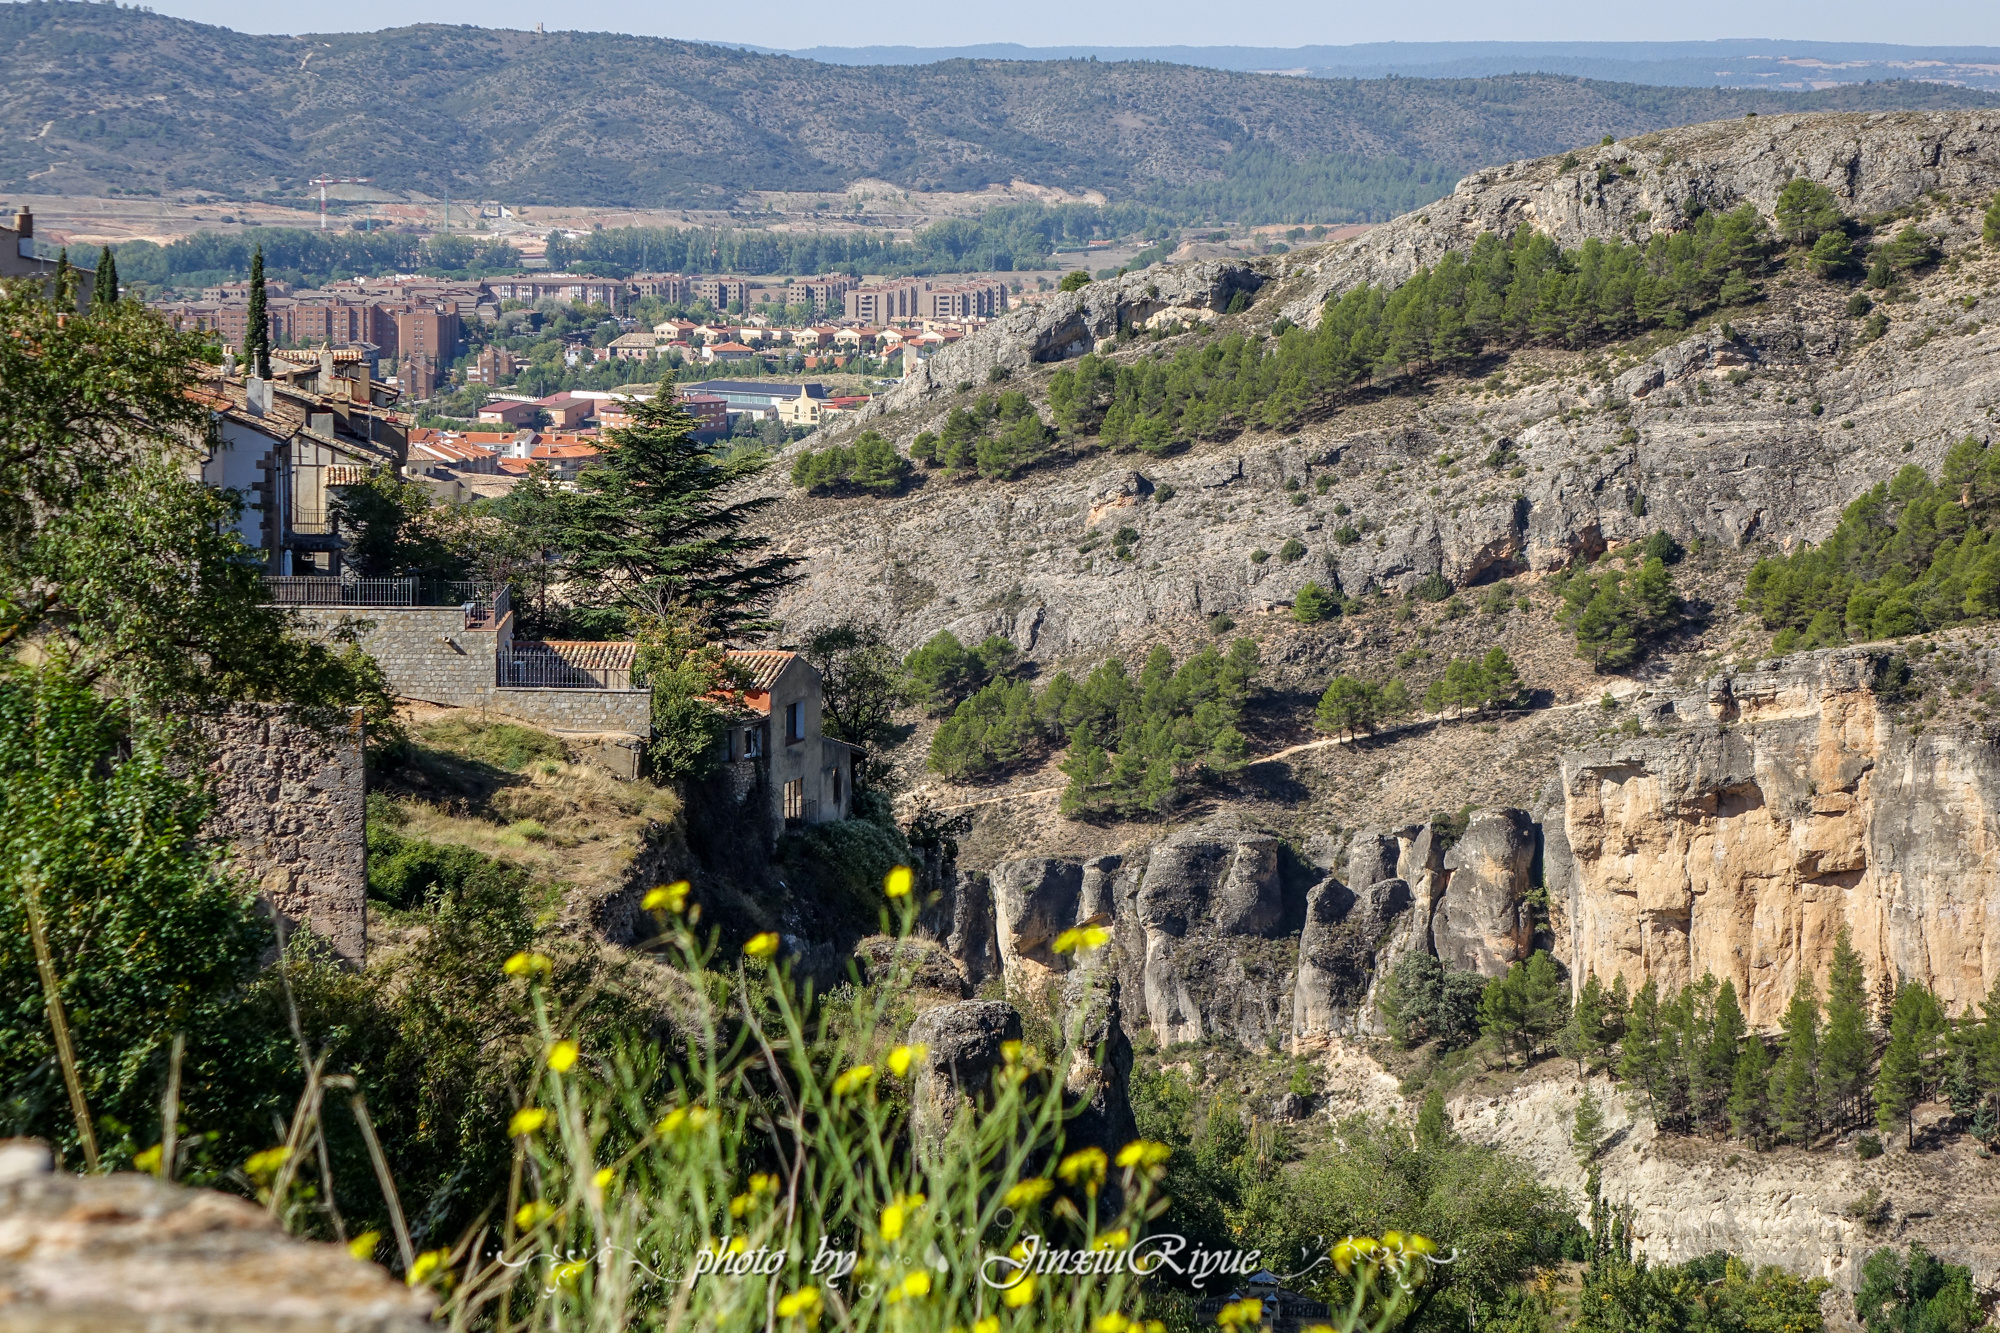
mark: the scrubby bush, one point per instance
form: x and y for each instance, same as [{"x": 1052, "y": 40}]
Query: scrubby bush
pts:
[{"x": 1422, "y": 1000}]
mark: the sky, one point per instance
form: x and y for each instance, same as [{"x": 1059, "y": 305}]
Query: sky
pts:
[{"x": 794, "y": 24}]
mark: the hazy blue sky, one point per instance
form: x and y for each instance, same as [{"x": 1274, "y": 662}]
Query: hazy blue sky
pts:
[{"x": 793, "y": 24}]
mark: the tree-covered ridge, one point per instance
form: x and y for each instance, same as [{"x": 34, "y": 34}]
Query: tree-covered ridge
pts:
[
  {"x": 1910, "y": 555},
  {"x": 1504, "y": 293}
]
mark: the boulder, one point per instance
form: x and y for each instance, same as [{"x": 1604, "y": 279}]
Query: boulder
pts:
[
  {"x": 1344, "y": 933},
  {"x": 126, "y": 1253}
]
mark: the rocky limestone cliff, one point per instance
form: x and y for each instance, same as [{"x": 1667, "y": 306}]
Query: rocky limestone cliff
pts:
[
  {"x": 1760, "y": 430},
  {"x": 1873, "y": 162},
  {"x": 1775, "y": 807}
]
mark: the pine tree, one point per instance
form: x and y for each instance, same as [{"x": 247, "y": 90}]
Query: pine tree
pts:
[
  {"x": 1587, "y": 1130},
  {"x": 1899, "y": 1081},
  {"x": 664, "y": 523},
  {"x": 1582, "y": 1036},
  {"x": 104, "y": 291},
  {"x": 1725, "y": 1040},
  {"x": 257, "y": 324},
  {"x": 1986, "y": 1119},
  {"x": 1750, "y": 1093},
  {"x": 1797, "y": 1074},
  {"x": 1846, "y": 1045},
  {"x": 1639, "y": 1057},
  {"x": 1433, "y": 1125}
]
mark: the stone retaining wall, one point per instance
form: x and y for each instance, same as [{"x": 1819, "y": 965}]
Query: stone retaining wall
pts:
[{"x": 629, "y": 711}]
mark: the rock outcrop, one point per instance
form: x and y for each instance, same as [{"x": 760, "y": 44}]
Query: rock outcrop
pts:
[
  {"x": 962, "y": 1044},
  {"x": 1872, "y": 161},
  {"x": 126, "y": 1252},
  {"x": 1483, "y": 923},
  {"x": 1779, "y": 806}
]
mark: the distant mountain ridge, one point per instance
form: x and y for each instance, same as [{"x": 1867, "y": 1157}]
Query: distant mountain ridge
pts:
[
  {"x": 1734, "y": 63},
  {"x": 102, "y": 96}
]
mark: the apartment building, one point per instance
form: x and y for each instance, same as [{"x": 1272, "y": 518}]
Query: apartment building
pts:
[
  {"x": 673, "y": 288},
  {"x": 607, "y": 292},
  {"x": 722, "y": 292},
  {"x": 884, "y": 302},
  {"x": 825, "y": 295}
]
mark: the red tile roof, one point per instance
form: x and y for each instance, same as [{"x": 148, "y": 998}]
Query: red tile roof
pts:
[
  {"x": 763, "y": 666},
  {"x": 585, "y": 654}
]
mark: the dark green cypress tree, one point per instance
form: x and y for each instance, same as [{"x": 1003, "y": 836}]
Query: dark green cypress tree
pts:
[
  {"x": 65, "y": 293},
  {"x": 104, "y": 290},
  {"x": 257, "y": 327}
]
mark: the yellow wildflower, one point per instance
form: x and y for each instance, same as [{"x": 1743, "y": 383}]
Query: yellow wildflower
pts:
[
  {"x": 1144, "y": 1152},
  {"x": 897, "y": 883},
  {"x": 1112, "y": 1240},
  {"x": 526, "y": 1121},
  {"x": 853, "y": 1080},
  {"x": 531, "y": 1215},
  {"x": 1082, "y": 939},
  {"x": 1248, "y": 1312},
  {"x": 605, "y": 1175},
  {"x": 1085, "y": 1165},
  {"x": 265, "y": 1164},
  {"x": 666, "y": 897},
  {"x": 426, "y": 1266},
  {"x": 1010, "y": 1051},
  {"x": 1020, "y": 1293},
  {"x": 526, "y": 964},
  {"x": 567, "y": 1274},
  {"x": 802, "y": 1303},
  {"x": 562, "y": 1056},
  {"x": 917, "y": 1284},
  {"x": 149, "y": 1160},
  {"x": 764, "y": 945},
  {"x": 740, "y": 1206},
  {"x": 892, "y": 1222},
  {"x": 903, "y": 1057},
  {"x": 1111, "y": 1321},
  {"x": 990, "y": 1324},
  {"x": 685, "y": 1119},
  {"x": 363, "y": 1246},
  {"x": 1029, "y": 1192}
]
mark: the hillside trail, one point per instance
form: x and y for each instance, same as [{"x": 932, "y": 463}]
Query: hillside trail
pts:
[{"x": 1290, "y": 750}]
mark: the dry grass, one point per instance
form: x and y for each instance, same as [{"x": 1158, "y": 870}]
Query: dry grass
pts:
[{"x": 501, "y": 789}]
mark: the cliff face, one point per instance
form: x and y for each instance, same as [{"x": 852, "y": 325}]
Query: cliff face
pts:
[
  {"x": 1780, "y": 806},
  {"x": 1759, "y": 431}
]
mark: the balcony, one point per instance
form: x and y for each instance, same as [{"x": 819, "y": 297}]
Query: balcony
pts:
[{"x": 483, "y": 601}]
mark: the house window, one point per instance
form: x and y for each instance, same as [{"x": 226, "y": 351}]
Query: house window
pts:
[
  {"x": 795, "y": 721},
  {"x": 795, "y": 799},
  {"x": 752, "y": 742}
]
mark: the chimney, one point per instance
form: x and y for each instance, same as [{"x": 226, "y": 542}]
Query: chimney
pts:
[
  {"x": 257, "y": 396},
  {"x": 24, "y": 223},
  {"x": 326, "y": 371}
]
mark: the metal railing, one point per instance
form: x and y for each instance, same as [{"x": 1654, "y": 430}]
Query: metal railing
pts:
[
  {"x": 548, "y": 671},
  {"x": 327, "y": 590}
]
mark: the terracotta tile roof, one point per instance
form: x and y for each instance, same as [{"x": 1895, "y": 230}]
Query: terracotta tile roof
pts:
[
  {"x": 763, "y": 666},
  {"x": 585, "y": 654}
]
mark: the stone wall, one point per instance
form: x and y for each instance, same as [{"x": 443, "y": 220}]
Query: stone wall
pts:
[
  {"x": 291, "y": 803},
  {"x": 627, "y": 711},
  {"x": 440, "y": 655},
  {"x": 426, "y": 652}
]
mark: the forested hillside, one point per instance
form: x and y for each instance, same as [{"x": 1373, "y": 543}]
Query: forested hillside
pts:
[{"x": 107, "y": 97}]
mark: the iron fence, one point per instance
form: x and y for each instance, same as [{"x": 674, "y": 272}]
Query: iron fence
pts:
[
  {"x": 329, "y": 590},
  {"x": 549, "y": 671}
]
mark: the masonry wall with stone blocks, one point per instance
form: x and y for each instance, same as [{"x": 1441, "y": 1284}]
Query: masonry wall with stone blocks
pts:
[
  {"x": 426, "y": 652},
  {"x": 628, "y": 711},
  {"x": 291, "y": 803}
]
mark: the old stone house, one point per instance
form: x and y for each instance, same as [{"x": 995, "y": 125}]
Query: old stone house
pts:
[{"x": 774, "y": 745}]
